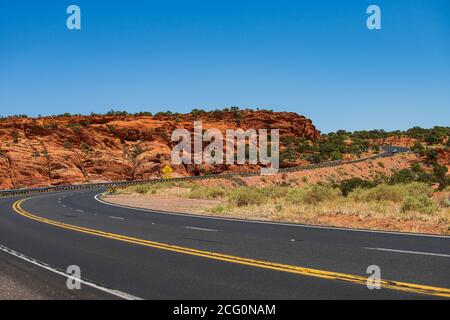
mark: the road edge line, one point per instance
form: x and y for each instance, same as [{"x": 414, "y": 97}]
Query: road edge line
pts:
[{"x": 114, "y": 292}]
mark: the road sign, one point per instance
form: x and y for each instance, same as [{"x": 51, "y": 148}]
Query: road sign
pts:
[{"x": 167, "y": 170}]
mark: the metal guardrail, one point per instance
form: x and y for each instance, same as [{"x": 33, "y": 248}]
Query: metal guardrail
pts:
[{"x": 17, "y": 192}]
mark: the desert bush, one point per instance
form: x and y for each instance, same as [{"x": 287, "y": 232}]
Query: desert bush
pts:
[
  {"x": 349, "y": 185},
  {"x": 75, "y": 127},
  {"x": 394, "y": 193},
  {"x": 245, "y": 196},
  {"x": 403, "y": 176},
  {"x": 440, "y": 175},
  {"x": 273, "y": 192},
  {"x": 217, "y": 209},
  {"x": 313, "y": 194},
  {"x": 336, "y": 155},
  {"x": 416, "y": 189},
  {"x": 318, "y": 193},
  {"x": 295, "y": 196},
  {"x": 146, "y": 188},
  {"x": 382, "y": 192},
  {"x": 203, "y": 192},
  {"x": 417, "y": 147},
  {"x": 85, "y": 147},
  {"x": 142, "y": 189},
  {"x": 421, "y": 203},
  {"x": 113, "y": 112}
]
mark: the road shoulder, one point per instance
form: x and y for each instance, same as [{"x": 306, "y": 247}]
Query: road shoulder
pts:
[{"x": 21, "y": 280}]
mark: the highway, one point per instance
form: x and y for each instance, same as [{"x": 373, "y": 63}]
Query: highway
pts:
[{"x": 127, "y": 253}]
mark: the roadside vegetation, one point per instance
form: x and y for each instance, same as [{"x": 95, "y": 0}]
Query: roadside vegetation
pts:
[
  {"x": 406, "y": 201},
  {"x": 335, "y": 145}
]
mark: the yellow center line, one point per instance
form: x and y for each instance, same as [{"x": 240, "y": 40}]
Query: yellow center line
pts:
[{"x": 387, "y": 284}]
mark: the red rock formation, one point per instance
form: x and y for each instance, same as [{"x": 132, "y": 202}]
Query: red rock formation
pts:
[
  {"x": 396, "y": 141},
  {"x": 66, "y": 150}
]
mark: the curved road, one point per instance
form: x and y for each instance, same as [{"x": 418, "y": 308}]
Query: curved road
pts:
[{"x": 152, "y": 255}]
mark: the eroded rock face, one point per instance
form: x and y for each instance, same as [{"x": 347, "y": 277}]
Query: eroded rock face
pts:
[
  {"x": 396, "y": 141},
  {"x": 66, "y": 150}
]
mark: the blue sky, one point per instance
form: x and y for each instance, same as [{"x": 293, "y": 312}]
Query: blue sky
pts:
[{"x": 314, "y": 57}]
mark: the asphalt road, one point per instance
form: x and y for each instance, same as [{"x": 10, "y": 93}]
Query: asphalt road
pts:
[{"x": 171, "y": 256}]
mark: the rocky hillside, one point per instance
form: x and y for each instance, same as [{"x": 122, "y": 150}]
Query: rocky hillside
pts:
[{"x": 76, "y": 149}]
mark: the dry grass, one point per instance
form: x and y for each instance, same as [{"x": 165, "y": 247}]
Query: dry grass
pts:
[{"x": 408, "y": 207}]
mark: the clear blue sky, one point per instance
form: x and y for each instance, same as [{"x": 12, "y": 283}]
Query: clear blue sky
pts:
[{"x": 314, "y": 57}]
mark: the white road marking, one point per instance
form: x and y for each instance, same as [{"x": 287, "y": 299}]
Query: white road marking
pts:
[
  {"x": 79, "y": 210},
  {"x": 187, "y": 215},
  {"x": 201, "y": 229},
  {"x": 117, "y": 218},
  {"x": 45, "y": 266},
  {"x": 411, "y": 252}
]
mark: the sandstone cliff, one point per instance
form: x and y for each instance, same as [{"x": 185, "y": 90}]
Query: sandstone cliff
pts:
[{"x": 77, "y": 149}]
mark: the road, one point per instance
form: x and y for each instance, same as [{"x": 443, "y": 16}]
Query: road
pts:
[{"x": 129, "y": 253}]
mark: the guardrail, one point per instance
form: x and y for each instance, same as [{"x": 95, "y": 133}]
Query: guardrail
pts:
[{"x": 5, "y": 193}]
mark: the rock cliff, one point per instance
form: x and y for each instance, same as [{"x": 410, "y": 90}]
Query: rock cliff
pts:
[{"x": 77, "y": 149}]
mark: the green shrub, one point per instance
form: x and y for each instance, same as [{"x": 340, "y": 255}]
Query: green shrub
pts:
[
  {"x": 142, "y": 189},
  {"x": 217, "y": 209},
  {"x": 382, "y": 192},
  {"x": 349, "y": 185},
  {"x": 403, "y": 176},
  {"x": 75, "y": 127},
  {"x": 394, "y": 193},
  {"x": 416, "y": 189},
  {"x": 318, "y": 193},
  {"x": 113, "y": 112},
  {"x": 111, "y": 128},
  {"x": 202, "y": 192},
  {"x": 273, "y": 192},
  {"x": 440, "y": 175},
  {"x": 85, "y": 147},
  {"x": 421, "y": 204},
  {"x": 295, "y": 196},
  {"x": 417, "y": 147},
  {"x": 313, "y": 194},
  {"x": 245, "y": 196},
  {"x": 336, "y": 155}
]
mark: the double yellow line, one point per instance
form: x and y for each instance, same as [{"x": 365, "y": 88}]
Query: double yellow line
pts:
[{"x": 385, "y": 284}]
